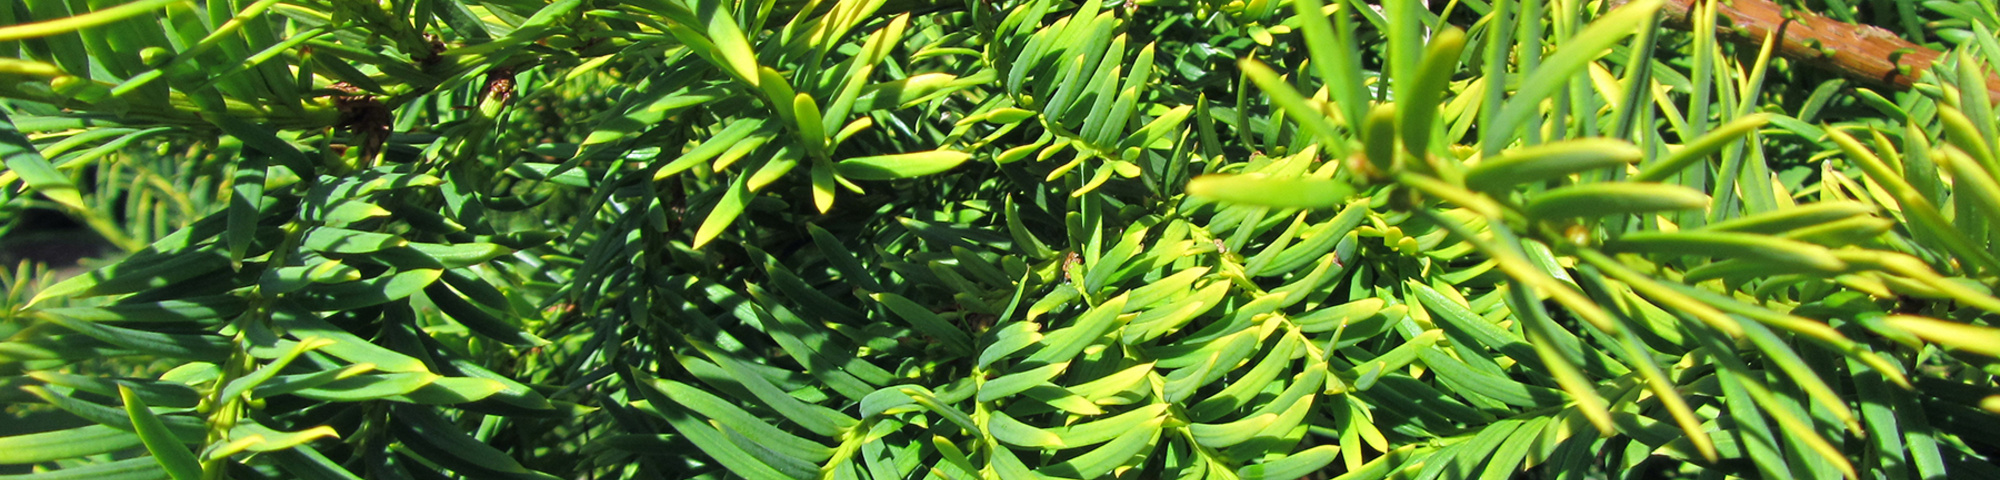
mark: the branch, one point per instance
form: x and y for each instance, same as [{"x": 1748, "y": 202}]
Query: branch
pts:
[{"x": 1862, "y": 52}]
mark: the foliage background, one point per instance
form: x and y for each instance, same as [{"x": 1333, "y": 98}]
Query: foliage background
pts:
[{"x": 1012, "y": 239}]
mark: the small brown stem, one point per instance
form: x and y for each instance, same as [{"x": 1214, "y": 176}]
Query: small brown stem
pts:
[{"x": 1862, "y": 52}]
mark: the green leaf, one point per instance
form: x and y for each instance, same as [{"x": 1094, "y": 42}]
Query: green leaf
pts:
[
  {"x": 927, "y": 322},
  {"x": 1105, "y": 429},
  {"x": 1593, "y": 200},
  {"x": 818, "y": 419},
  {"x": 269, "y": 440},
  {"x": 1567, "y": 61},
  {"x": 1548, "y": 162},
  {"x": 1701, "y": 148},
  {"x": 1505, "y": 462},
  {"x": 1013, "y": 383},
  {"x": 901, "y": 165},
  {"x": 1292, "y": 466},
  {"x": 717, "y": 445},
  {"x": 478, "y": 320},
  {"x": 65, "y": 444},
  {"x": 1119, "y": 452},
  {"x": 23, "y": 160},
  {"x": 461, "y": 255},
  {"x": 305, "y": 324},
  {"x": 1777, "y": 222},
  {"x": 368, "y": 387},
  {"x": 138, "y": 273},
  {"x": 341, "y": 240},
  {"x": 1958, "y": 336},
  {"x": 373, "y": 291},
  {"x": 730, "y": 43},
  {"x": 164, "y": 393},
  {"x": 436, "y": 439},
  {"x": 189, "y": 430},
  {"x": 1761, "y": 248},
  {"x": 307, "y": 463},
  {"x": 1065, "y": 343},
  {"x": 734, "y": 198},
  {"x": 286, "y": 384},
  {"x": 1262, "y": 190},
  {"x": 1012, "y": 432},
  {"x": 175, "y": 458},
  {"x": 194, "y": 309},
  {"x": 247, "y": 194},
  {"x": 451, "y": 391},
  {"x": 1295, "y": 105},
  {"x": 208, "y": 348},
  {"x": 739, "y": 420},
  {"x": 1417, "y": 105},
  {"x": 141, "y": 468},
  {"x": 86, "y": 20}
]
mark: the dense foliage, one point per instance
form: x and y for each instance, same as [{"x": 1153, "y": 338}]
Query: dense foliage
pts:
[{"x": 997, "y": 239}]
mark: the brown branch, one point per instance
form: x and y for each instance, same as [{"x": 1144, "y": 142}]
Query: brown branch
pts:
[{"x": 1862, "y": 52}]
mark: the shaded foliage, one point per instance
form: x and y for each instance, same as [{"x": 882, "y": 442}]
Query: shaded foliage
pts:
[{"x": 998, "y": 239}]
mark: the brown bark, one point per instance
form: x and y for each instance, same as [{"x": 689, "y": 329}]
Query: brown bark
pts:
[{"x": 1862, "y": 52}]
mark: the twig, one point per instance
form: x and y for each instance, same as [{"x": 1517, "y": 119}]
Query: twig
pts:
[{"x": 1862, "y": 52}]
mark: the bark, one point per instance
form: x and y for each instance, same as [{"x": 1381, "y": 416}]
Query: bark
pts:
[{"x": 1862, "y": 52}]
